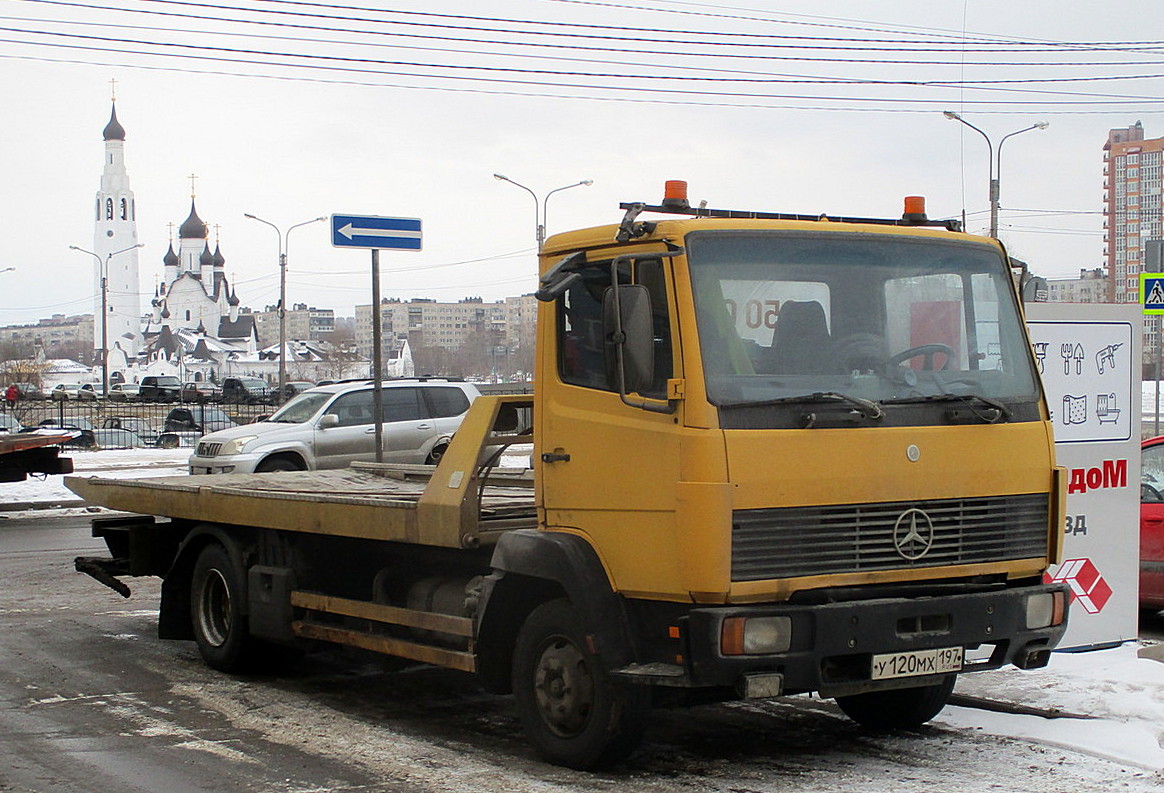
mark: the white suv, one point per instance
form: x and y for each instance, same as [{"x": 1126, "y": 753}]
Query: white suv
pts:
[{"x": 332, "y": 426}]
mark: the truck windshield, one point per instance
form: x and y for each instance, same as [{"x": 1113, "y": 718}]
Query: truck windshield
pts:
[{"x": 894, "y": 321}]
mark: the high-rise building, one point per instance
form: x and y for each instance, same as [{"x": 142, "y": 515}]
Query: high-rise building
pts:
[
  {"x": 1132, "y": 210},
  {"x": 114, "y": 241},
  {"x": 1132, "y": 213}
]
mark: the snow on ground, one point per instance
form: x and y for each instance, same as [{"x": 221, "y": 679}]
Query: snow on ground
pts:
[
  {"x": 1123, "y": 695},
  {"x": 111, "y": 463},
  {"x": 1120, "y": 693}
]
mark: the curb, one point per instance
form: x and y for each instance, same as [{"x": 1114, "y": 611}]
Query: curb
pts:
[{"x": 23, "y": 506}]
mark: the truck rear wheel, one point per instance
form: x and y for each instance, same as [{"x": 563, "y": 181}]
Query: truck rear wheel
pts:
[
  {"x": 571, "y": 710},
  {"x": 898, "y": 709},
  {"x": 216, "y": 594}
]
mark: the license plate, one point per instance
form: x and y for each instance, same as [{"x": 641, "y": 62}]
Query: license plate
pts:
[{"x": 917, "y": 663}]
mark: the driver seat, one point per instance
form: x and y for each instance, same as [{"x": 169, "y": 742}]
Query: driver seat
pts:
[{"x": 801, "y": 343}]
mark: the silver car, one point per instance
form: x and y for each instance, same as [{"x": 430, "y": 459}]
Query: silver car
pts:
[{"x": 332, "y": 427}]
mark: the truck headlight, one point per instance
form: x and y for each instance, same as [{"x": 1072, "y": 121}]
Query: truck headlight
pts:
[
  {"x": 756, "y": 635},
  {"x": 236, "y": 446},
  {"x": 1045, "y": 610}
]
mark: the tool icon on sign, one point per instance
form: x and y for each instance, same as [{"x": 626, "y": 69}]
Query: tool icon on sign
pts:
[
  {"x": 1072, "y": 352},
  {"x": 1107, "y": 356},
  {"x": 1041, "y": 355}
]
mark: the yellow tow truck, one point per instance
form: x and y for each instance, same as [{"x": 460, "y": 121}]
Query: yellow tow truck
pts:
[{"x": 773, "y": 454}]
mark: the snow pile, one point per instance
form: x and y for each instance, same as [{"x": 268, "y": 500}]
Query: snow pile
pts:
[{"x": 1121, "y": 693}]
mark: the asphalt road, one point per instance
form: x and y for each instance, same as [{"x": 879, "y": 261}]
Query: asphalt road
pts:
[{"x": 91, "y": 700}]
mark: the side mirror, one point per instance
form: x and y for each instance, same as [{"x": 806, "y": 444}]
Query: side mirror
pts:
[
  {"x": 630, "y": 346},
  {"x": 328, "y": 421}
]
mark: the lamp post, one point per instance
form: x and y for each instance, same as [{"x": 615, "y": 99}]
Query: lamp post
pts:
[
  {"x": 103, "y": 267},
  {"x": 283, "y": 239},
  {"x": 540, "y": 207},
  {"x": 995, "y": 162}
]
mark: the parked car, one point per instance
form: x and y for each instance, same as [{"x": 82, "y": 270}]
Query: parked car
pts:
[
  {"x": 124, "y": 392},
  {"x": 160, "y": 388},
  {"x": 83, "y": 392},
  {"x": 29, "y": 391},
  {"x": 1152, "y": 524},
  {"x": 199, "y": 392},
  {"x": 8, "y": 423},
  {"x": 117, "y": 439},
  {"x": 293, "y": 389},
  {"x": 140, "y": 426},
  {"x": 83, "y": 427},
  {"x": 332, "y": 427},
  {"x": 199, "y": 418},
  {"x": 245, "y": 390}
]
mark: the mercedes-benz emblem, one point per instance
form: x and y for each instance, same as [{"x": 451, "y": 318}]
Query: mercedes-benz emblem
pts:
[{"x": 913, "y": 534}]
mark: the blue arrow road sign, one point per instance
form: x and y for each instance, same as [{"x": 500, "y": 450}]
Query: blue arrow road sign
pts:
[{"x": 374, "y": 231}]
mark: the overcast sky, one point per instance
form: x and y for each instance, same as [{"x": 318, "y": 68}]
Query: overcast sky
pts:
[{"x": 273, "y": 123}]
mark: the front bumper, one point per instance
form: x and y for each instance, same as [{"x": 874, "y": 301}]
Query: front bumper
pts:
[
  {"x": 832, "y": 645},
  {"x": 226, "y": 464}
]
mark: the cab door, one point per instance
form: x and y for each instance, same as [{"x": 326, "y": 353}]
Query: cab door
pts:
[{"x": 609, "y": 470}]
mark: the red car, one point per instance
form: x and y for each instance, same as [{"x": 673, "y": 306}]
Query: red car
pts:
[{"x": 1152, "y": 524}]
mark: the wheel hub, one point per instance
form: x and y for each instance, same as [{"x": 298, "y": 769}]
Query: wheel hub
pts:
[{"x": 564, "y": 687}]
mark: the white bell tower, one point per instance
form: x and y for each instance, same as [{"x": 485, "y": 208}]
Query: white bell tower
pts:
[{"x": 116, "y": 231}]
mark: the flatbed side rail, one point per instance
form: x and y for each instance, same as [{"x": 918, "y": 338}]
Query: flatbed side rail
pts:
[{"x": 318, "y": 607}]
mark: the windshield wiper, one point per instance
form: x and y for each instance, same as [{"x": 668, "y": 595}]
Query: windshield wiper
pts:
[
  {"x": 866, "y": 407},
  {"x": 997, "y": 410}
]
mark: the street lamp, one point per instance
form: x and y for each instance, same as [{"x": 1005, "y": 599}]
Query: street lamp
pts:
[
  {"x": 994, "y": 162},
  {"x": 103, "y": 267},
  {"x": 540, "y": 219},
  {"x": 283, "y": 239},
  {"x": 7, "y": 270}
]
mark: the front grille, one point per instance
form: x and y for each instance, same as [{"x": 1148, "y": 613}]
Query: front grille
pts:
[
  {"x": 208, "y": 449},
  {"x": 849, "y": 538}
]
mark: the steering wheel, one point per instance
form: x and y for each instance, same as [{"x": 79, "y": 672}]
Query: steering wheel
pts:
[
  {"x": 926, "y": 350},
  {"x": 1149, "y": 493}
]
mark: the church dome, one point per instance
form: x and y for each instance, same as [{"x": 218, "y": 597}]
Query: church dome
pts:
[
  {"x": 206, "y": 258},
  {"x": 219, "y": 259},
  {"x": 171, "y": 259},
  {"x": 192, "y": 227},
  {"x": 233, "y": 299},
  {"x": 113, "y": 130}
]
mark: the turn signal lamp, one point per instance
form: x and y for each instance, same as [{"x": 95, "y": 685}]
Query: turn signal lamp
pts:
[
  {"x": 915, "y": 209},
  {"x": 675, "y": 193}
]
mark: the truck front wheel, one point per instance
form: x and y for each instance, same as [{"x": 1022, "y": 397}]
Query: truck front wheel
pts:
[
  {"x": 571, "y": 710},
  {"x": 216, "y": 593},
  {"x": 898, "y": 709}
]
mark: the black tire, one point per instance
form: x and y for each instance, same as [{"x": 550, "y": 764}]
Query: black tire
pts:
[
  {"x": 216, "y": 598},
  {"x": 272, "y": 464},
  {"x": 572, "y": 712},
  {"x": 438, "y": 451},
  {"x": 169, "y": 442},
  {"x": 898, "y": 709}
]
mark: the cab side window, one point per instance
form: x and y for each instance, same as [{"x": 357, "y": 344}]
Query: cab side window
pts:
[{"x": 584, "y": 355}]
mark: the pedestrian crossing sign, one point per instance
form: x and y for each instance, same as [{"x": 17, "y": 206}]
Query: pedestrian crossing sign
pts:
[{"x": 1152, "y": 292}]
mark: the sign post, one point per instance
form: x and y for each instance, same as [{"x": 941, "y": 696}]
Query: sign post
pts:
[
  {"x": 1152, "y": 299},
  {"x": 376, "y": 232},
  {"x": 1089, "y": 358}
]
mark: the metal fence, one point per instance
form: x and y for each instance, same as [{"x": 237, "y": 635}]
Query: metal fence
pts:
[{"x": 148, "y": 417}]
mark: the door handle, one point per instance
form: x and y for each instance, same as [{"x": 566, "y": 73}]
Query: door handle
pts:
[
  {"x": 370, "y": 431},
  {"x": 552, "y": 457},
  {"x": 424, "y": 427}
]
